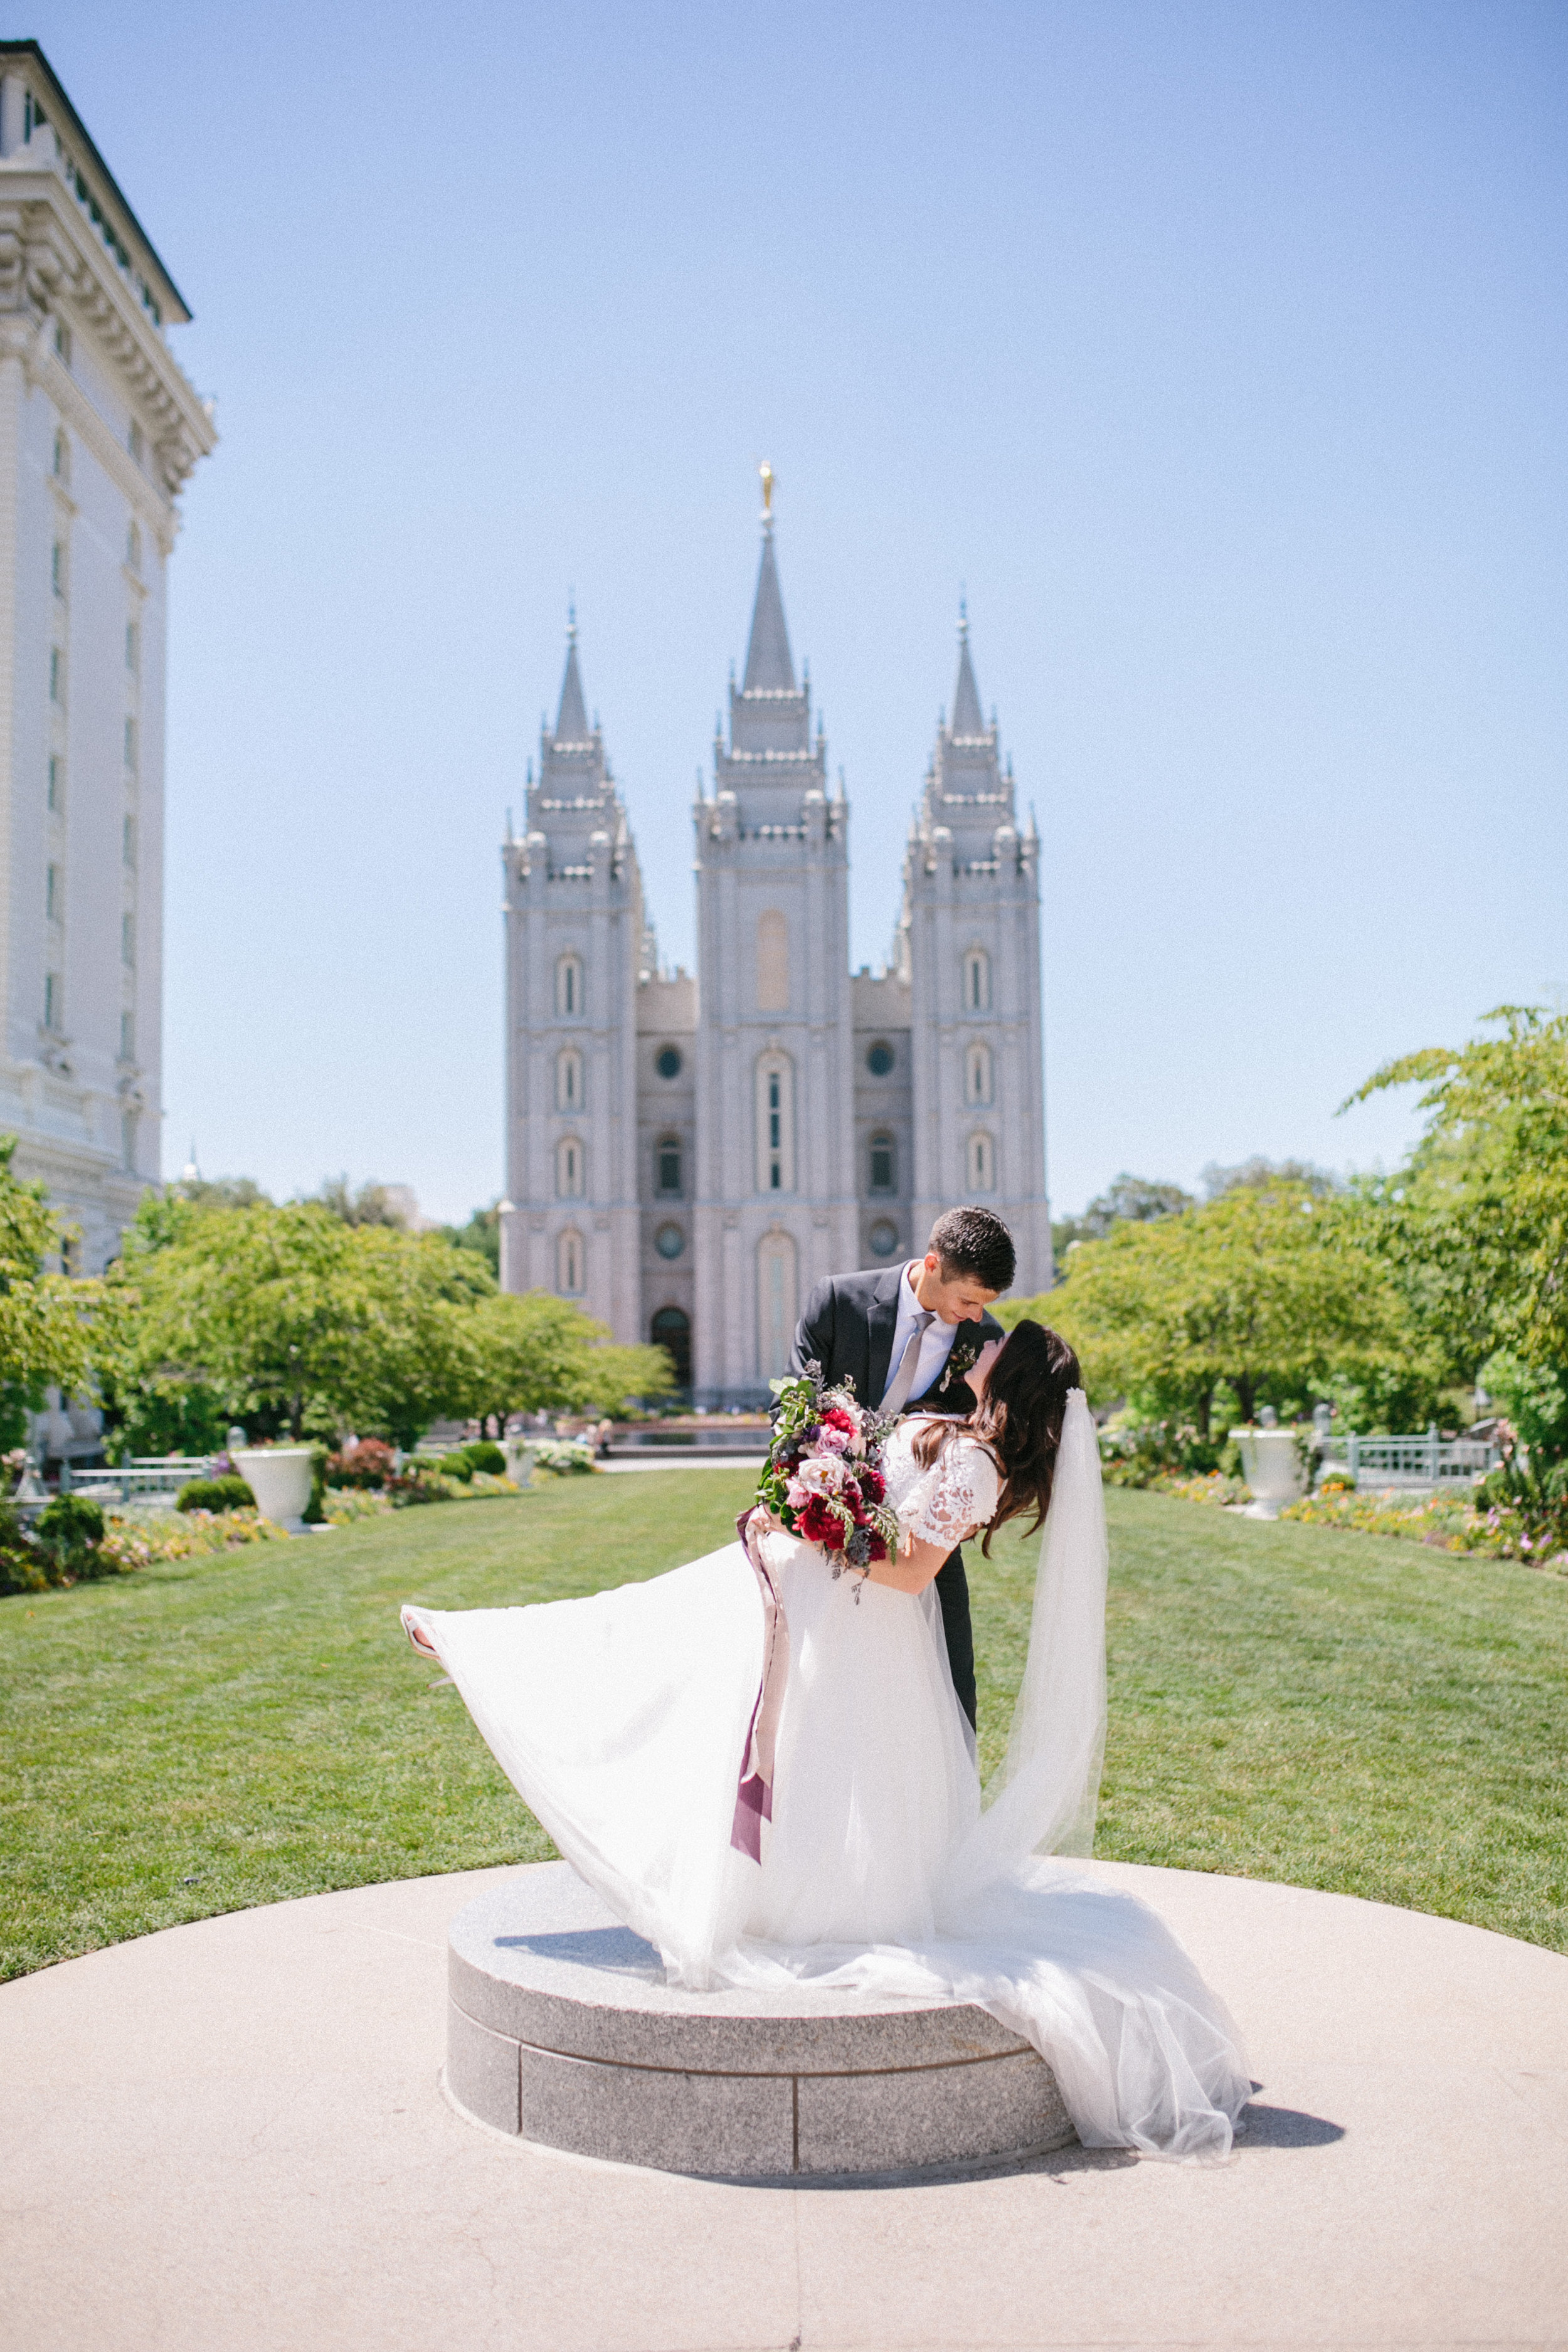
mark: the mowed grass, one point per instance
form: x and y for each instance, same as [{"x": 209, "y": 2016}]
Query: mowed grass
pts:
[{"x": 1294, "y": 1703}]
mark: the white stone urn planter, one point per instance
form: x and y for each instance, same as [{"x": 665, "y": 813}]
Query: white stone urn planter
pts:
[
  {"x": 279, "y": 1478},
  {"x": 1272, "y": 1468},
  {"x": 520, "y": 1453}
]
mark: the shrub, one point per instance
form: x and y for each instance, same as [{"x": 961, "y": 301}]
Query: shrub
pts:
[
  {"x": 564, "y": 1459},
  {"x": 455, "y": 1465},
  {"x": 484, "y": 1454},
  {"x": 231, "y": 1493},
  {"x": 371, "y": 1463},
  {"x": 1150, "y": 1451},
  {"x": 68, "y": 1533}
]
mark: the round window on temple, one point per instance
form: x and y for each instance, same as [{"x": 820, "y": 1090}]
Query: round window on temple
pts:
[
  {"x": 884, "y": 1237},
  {"x": 666, "y": 1062},
  {"x": 879, "y": 1060},
  {"x": 670, "y": 1241}
]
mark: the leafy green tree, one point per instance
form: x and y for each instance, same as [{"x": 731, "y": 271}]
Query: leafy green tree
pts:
[
  {"x": 1129, "y": 1199},
  {"x": 1475, "y": 1225},
  {"x": 1260, "y": 1291},
  {"x": 538, "y": 1353},
  {"x": 48, "y": 1321},
  {"x": 481, "y": 1233},
  {"x": 371, "y": 1204},
  {"x": 290, "y": 1321},
  {"x": 1266, "y": 1175}
]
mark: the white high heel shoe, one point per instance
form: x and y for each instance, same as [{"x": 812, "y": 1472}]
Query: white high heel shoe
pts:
[{"x": 420, "y": 1639}]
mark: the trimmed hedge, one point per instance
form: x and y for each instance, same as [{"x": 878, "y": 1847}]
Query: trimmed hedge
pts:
[{"x": 232, "y": 1494}]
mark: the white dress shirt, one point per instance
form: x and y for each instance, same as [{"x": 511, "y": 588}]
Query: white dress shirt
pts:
[{"x": 935, "y": 1347}]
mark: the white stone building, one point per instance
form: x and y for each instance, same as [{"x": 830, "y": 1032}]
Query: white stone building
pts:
[
  {"x": 99, "y": 430},
  {"x": 687, "y": 1156}
]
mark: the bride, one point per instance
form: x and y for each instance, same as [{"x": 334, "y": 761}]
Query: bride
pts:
[{"x": 624, "y": 1720}]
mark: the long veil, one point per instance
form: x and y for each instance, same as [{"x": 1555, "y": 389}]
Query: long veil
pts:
[{"x": 1043, "y": 1799}]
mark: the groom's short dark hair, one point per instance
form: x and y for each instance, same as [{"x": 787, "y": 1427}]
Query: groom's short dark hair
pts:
[{"x": 973, "y": 1241}]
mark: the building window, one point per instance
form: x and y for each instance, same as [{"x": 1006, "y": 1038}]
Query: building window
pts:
[
  {"x": 54, "y": 1002},
  {"x": 883, "y": 1170},
  {"x": 667, "y": 1163},
  {"x": 570, "y": 1169},
  {"x": 133, "y": 647},
  {"x": 62, "y": 459},
  {"x": 56, "y": 675},
  {"x": 571, "y": 1265},
  {"x": 569, "y": 1079},
  {"x": 127, "y": 840},
  {"x": 54, "y": 895},
  {"x": 976, "y": 980},
  {"x": 672, "y": 1331},
  {"x": 772, "y": 962},
  {"x": 775, "y": 1124},
  {"x": 569, "y": 987},
  {"x": 670, "y": 1241},
  {"x": 55, "y": 784},
  {"x": 982, "y": 1164},
  {"x": 883, "y": 1237},
  {"x": 881, "y": 1058},
  {"x": 668, "y": 1061},
  {"x": 128, "y": 938},
  {"x": 128, "y": 1036},
  {"x": 62, "y": 343},
  {"x": 776, "y": 1309},
  {"x": 127, "y": 1138},
  {"x": 134, "y": 441},
  {"x": 978, "y": 1074},
  {"x": 58, "y": 568},
  {"x": 134, "y": 547},
  {"x": 131, "y": 747}
]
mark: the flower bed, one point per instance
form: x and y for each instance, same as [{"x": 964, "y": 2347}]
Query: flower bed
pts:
[{"x": 1443, "y": 1521}]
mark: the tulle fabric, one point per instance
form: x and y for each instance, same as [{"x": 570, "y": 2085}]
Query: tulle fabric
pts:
[{"x": 621, "y": 1720}]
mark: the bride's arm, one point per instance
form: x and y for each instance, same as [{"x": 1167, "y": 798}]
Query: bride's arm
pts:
[{"x": 914, "y": 1567}]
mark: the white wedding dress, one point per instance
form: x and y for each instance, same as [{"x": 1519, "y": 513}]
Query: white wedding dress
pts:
[{"x": 622, "y": 1720}]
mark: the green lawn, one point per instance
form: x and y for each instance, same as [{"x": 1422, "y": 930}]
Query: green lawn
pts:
[{"x": 1285, "y": 1701}]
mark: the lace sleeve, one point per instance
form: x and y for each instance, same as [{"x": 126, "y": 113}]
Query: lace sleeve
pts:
[{"x": 955, "y": 1498}]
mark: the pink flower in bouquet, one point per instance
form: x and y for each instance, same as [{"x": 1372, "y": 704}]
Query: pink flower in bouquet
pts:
[
  {"x": 831, "y": 1439},
  {"x": 824, "y": 1474}
]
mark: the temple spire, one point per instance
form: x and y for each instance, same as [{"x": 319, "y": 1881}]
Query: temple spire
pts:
[
  {"x": 571, "y": 718},
  {"x": 769, "y": 663},
  {"x": 966, "y": 718}
]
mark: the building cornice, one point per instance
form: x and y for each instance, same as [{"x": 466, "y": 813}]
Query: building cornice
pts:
[{"x": 50, "y": 263}]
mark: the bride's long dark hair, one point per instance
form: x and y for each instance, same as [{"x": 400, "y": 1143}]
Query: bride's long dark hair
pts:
[{"x": 1019, "y": 1418}]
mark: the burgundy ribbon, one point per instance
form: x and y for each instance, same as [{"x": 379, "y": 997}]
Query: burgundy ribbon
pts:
[{"x": 754, "y": 1793}]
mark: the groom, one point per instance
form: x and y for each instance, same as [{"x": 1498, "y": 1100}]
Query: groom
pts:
[{"x": 896, "y": 1334}]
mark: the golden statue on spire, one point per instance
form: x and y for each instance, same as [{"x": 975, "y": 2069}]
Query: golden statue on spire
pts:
[{"x": 766, "y": 471}]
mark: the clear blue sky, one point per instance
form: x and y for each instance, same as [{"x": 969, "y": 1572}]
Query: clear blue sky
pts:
[{"x": 1218, "y": 349}]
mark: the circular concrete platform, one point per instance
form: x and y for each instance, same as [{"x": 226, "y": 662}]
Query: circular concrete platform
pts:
[
  {"x": 561, "y": 2029},
  {"x": 230, "y": 2136}
]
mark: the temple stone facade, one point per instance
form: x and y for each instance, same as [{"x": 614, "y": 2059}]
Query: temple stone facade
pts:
[
  {"x": 99, "y": 431},
  {"x": 687, "y": 1155}
]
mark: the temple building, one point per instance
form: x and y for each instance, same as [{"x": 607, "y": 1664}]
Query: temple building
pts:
[
  {"x": 687, "y": 1153},
  {"x": 99, "y": 431}
]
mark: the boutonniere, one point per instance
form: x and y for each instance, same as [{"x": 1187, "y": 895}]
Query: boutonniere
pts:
[{"x": 961, "y": 1357}]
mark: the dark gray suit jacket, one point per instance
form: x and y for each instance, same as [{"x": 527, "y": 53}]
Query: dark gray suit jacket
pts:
[{"x": 848, "y": 1328}]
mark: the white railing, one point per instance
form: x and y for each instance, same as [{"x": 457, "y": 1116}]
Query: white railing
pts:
[
  {"x": 144, "y": 1475},
  {"x": 1427, "y": 1460}
]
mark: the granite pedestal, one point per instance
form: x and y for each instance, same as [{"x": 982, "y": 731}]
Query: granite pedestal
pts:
[{"x": 561, "y": 2029}]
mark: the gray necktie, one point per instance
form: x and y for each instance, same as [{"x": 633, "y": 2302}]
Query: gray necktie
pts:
[{"x": 895, "y": 1395}]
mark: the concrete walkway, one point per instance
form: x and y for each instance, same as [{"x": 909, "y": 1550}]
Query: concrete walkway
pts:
[{"x": 230, "y": 2138}]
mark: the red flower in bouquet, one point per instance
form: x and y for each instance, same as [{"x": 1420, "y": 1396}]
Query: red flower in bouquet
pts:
[
  {"x": 834, "y": 1417},
  {"x": 815, "y": 1523}
]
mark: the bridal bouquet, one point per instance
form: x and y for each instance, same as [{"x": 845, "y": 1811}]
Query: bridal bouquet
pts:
[{"x": 824, "y": 1474}]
